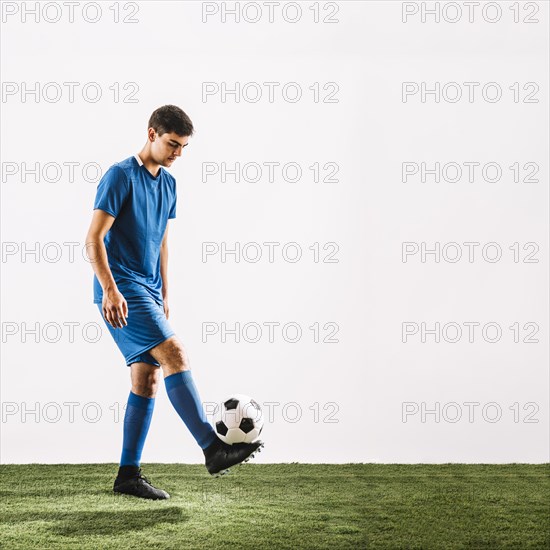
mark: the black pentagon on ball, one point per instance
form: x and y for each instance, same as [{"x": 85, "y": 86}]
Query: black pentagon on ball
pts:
[
  {"x": 231, "y": 404},
  {"x": 221, "y": 428},
  {"x": 246, "y": 425}
]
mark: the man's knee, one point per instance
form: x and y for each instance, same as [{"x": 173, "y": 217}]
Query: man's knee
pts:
[
  {"x": 145, "y": 389},
  {"x": 171, "y": 355},
  {"x": 145, "y": 380}
]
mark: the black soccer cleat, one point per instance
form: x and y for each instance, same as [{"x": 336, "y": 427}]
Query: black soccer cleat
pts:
[
  {"x": 220, "y": 456},
  {"x": 139, "y": 486}
]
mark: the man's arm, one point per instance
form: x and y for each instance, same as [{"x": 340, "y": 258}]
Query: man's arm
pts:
[
  {"x": 164, "y": 269},
  {"x": 115, "y": 308}
]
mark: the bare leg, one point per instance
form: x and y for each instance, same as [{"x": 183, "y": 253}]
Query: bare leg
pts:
[
  {"x": 171, "y": 356},
  {"x": 145, "y": 379}
]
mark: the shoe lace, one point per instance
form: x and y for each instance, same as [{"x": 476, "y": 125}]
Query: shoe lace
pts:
[{"x": 141, "y": 476}]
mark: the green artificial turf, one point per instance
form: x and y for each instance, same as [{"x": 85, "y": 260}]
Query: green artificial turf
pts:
[{"x": 279, "y": 506}]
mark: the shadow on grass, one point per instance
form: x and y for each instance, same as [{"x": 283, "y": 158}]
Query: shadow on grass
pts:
[
  {"x": 117, "y": 522},
  {"x": 114, "y": 523}
]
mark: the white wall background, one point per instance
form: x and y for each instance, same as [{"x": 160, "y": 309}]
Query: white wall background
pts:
[{"x": 369, "y": 212}]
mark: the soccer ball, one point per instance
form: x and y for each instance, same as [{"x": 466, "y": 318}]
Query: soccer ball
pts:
[{"x": 241, "y": 420}]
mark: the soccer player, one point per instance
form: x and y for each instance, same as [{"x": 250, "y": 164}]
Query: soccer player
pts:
[{"x": 127, "y": 243}]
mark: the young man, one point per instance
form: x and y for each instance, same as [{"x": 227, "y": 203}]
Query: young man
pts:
[{"x": 128, "y": 248}]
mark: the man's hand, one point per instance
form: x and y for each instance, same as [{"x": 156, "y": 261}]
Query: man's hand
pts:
[
  {"x": 115, "y": 308},
  {"x": 166, "y": 308}
]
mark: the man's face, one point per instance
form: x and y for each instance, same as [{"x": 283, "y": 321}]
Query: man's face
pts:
[{"x": 166, "y": 148}]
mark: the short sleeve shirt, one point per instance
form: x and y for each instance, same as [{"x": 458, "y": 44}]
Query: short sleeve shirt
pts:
[{"x": 141, "y": 205}]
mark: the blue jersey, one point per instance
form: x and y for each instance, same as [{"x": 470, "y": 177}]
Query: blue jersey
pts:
[{"x": 141, "y": 205}]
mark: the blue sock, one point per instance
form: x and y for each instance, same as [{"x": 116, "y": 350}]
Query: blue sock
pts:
[
  {"x": 185, "y": 398},
  {"x": 137, "y": 419}
]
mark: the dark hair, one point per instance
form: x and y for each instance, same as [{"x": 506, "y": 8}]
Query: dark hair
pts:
[{"x": 170, "y": 118}]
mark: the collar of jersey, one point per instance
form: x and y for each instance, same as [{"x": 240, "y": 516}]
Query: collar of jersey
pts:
[{"x": 140, "y": 162}]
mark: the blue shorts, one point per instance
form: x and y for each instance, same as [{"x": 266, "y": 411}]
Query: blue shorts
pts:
[{"x": 147, "y": 327}]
